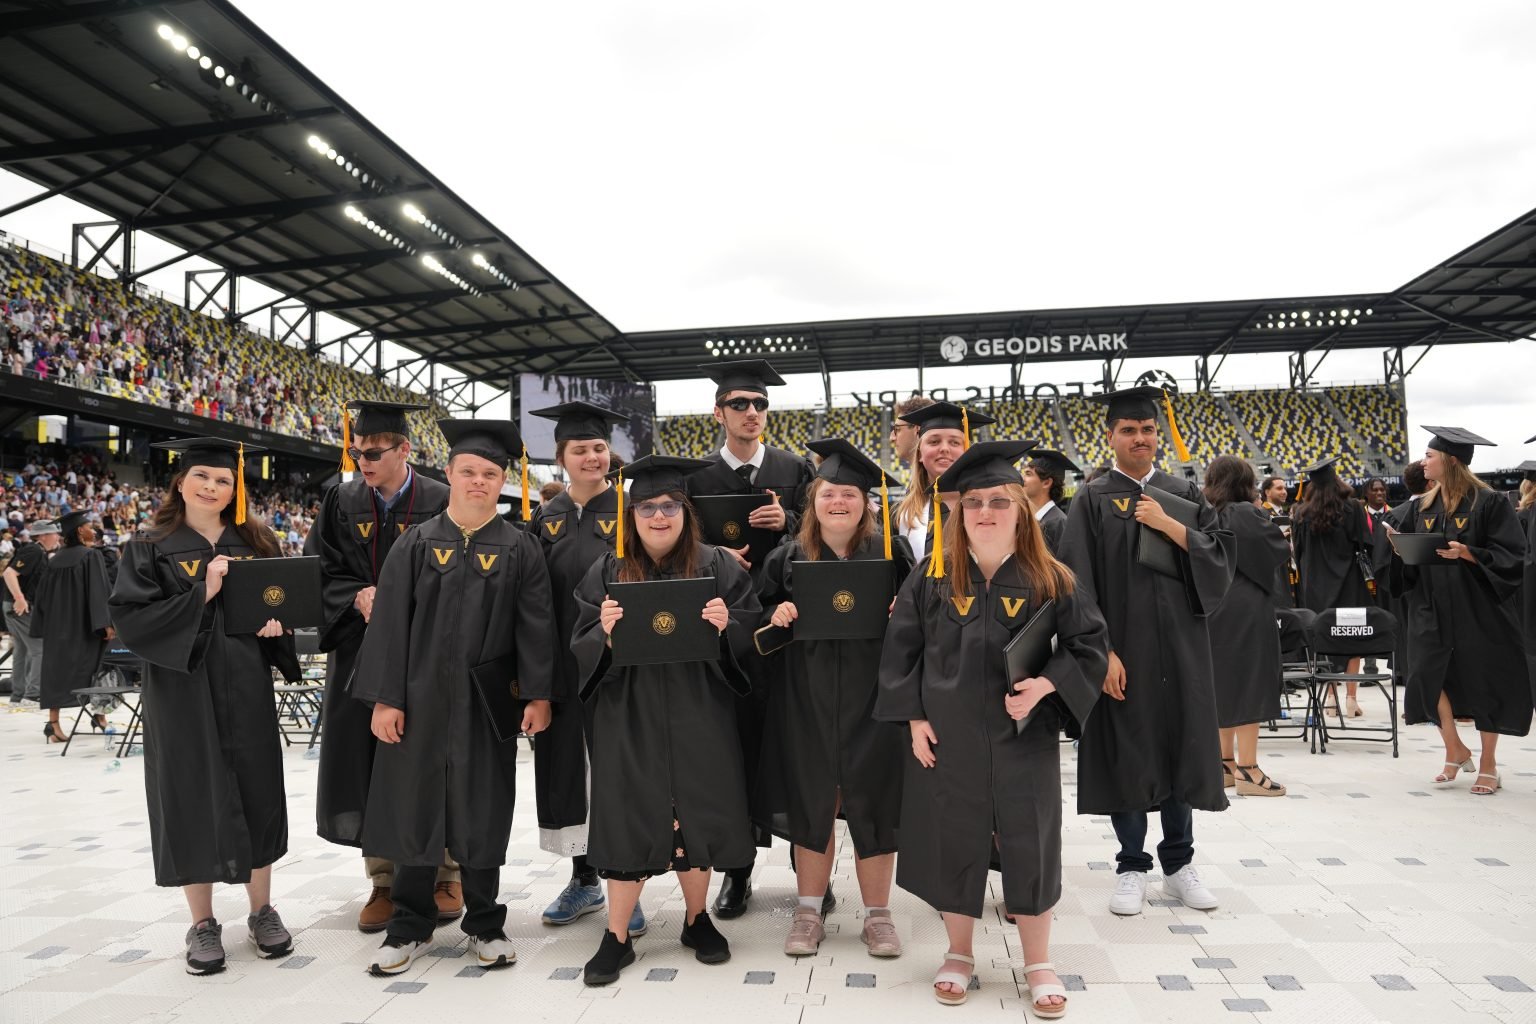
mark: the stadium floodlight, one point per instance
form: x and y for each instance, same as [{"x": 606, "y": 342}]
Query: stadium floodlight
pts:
[
  {"x": 193, "y": 52},
  {"x": 413, "y": 213},
  {"x": 490, "y": 268},
  {"x": 436, "y": 265},
  {"x": 205, "y": 62},
  {"x": 165, "y": 32}
]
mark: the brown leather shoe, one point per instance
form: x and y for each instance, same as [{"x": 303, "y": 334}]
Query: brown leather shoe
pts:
[
  {"x": 450, "y": 900},
  {"x": 375, "y": 915}
]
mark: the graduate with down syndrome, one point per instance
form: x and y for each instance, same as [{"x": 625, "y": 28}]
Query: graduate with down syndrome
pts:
[
  {"x": 668, "y": 787},
  {"x": 975, "y": 779},
  {"x": 213, "y": 766},
  {"x": 823, "y": 754},
  {"x": 455, "y": 663}
]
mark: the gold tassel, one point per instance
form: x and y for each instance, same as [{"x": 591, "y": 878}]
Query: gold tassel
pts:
[
  {"x": 965, "y": 426},
  {"x": 885, "y": 510},
  {"x": 936, "y": 564},
  {"x": 1299, "y": 482},
  {"x": 618, "y": 545},
  {"x": 1173, "y": 430},
  {"x": 240, "y": 486},
  {"x": 347, "y": 465},
  {"x": 527, "y": 505}
]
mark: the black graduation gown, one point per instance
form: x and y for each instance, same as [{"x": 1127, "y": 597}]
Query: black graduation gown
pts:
[
  {"x": 1245, "y": 643},
  {"x": 665, "y": 744},
  {"x": 1528, "y": 590},
  {"x": 571, "y": 544},
  {"x": 943, "y": 662},
  {"x": 69, "y": 611},
  {"x": 445, "y": 607},
  {"x": 1463, "y": 618},
  {"x": 1054, "y": 524},
  {"x": 213, "y": 757},
  {"x": 352, "y": 540},
  {"x": 789, "y": 476},
  {"x": 1161, "y": 742},
  {"x": 820, "y": 736},
  {"x": 1327, "y": 562}
]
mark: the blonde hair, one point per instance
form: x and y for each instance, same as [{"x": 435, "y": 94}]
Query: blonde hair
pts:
[
  {"x": 1455, "y": 483},
  {"x": 1047, "y": 577},
  {"x": 1527, "y": 497},
  {"x": 809, "y": 537},
  {"x": 919, "y": 493}
]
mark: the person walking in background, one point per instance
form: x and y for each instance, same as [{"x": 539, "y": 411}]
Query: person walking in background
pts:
[
  {"x": 70, "y": 616},
  {"x": 1330, "y": 533},
  {"x": 22, "y": 578}
]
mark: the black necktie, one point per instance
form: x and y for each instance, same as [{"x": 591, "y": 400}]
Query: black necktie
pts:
[{"x": 745, "y": 472}]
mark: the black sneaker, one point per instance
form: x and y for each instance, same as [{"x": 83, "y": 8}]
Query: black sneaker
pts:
[
  {"x": 612, "y": 957},
  {"x": 268, "y": 934},
  {"x": 708, "y": 945},
  {"x": 205, "y": 947}
]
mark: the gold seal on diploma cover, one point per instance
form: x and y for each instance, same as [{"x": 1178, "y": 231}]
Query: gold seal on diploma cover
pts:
[
  {"x": 731, "y": 530},
  {"x": 663, "y": 623},
  {"x": 274, "y": 596},
  {"x": 842, "y": 601}
]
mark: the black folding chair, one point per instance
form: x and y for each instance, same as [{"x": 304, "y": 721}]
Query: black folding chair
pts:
[
  {"x": 118, "y": 679},
  {"x": 1295, "y": 676},
  {"x": 1343, "y": 634}
]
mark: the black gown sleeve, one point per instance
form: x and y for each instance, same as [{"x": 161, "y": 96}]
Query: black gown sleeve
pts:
[
  {"x": 589, "y": 643},
  {"x": 1259, "y": 547},
  {"x": 163, "y": 629},
  {"x": 385, "y": 655},
  {"x": 1501, "y": 555},
  {"x": 900, "y": 697},
  {"x": 339, "y": 582},
  {"x": 1081, "y": 660},
  {"x": 97, "y": 589},
  {"x": 736, "y": 590},
  {"x": 1210, "y": 560},
  {"x": 535, "y": 623}
]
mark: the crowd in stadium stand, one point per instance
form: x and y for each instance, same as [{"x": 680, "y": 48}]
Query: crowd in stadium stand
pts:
[{"x": 74, "y": 328}]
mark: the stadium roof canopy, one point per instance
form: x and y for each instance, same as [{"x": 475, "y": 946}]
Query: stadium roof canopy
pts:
[{"x": 267, "y": 172}]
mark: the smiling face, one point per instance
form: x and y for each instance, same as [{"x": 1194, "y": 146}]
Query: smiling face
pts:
[
  {"x": 839, "y": 507},
  {"x": 1276, "y": 493},
  {"x": 1376, "y": 494},
  {"x": 659, "y": 532},
  {"x": 746, "y": 426},
  {"x": 207, "y": 489},
  {"x": 938, "y": 448},
  {"x": 1134, "y": 443},
  {"x": 586, "y": 461},
  {"x": 474, "y": 484}
]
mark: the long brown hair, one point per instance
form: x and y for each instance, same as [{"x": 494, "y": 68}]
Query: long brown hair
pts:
[
  {"x": 1045, "y": 575},
  {"x": 1325, "y": 505},
  {"x": 172, "y": 515},
  {"x": 683, "y": 560},
  {"x": 809, "y": 537},
  {"x": 919, "y": 493},
  {"x": 1229, "y": 481},
  {"x": 1455, "y": 483}
]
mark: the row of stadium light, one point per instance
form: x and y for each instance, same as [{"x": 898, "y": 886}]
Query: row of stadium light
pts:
[
  {"x": 752, "y": 346},
  {"x": 221, "y": 74},
  {"x": 363, "y": 220},
  {"x": 434, "y": 264},
  {"x": 414, "y": 212},
  {"x": 1300, "y": 319},
  {"x": 344, "y": 163}
]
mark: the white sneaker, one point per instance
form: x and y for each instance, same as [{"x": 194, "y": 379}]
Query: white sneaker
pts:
[
  {"x": 1130, "y": 893},
  {"x": 1185, "y": 886},
  {"x": 395, "y": 956},
  {"x": 492, "y": 950}
]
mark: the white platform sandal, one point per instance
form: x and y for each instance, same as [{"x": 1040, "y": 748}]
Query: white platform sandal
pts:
[
  {"x": 1045, "y": 991},
  {"x": 954, "y": 978}
]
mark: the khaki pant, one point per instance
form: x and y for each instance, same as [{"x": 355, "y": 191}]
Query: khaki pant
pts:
[{"x": 382, "y": 872}]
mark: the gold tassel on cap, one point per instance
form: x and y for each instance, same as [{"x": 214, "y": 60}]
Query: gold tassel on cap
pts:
[
  {"x": 1299, "y": 482},
  {"x": 965, "y": 426},
  {"x": 1173, "y": 430},
  {"x": 885, "y": 510},
  {"x": 347, "y": 465},
  {"x": 240, "y": 485},
  {"x": 936, "y": 564},
  {"x": 618, "y": 544},
  {"x": 527, "y": 506}
]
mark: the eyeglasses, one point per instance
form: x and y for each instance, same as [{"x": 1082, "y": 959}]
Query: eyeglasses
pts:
[
  {"x": 742, "y": 404},
  {"x": 995, "y": 504},
  {"x": 648, "y": 509},
  {"x": 372, "y": 454}
]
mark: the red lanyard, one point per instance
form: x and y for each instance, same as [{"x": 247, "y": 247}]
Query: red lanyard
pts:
[{"x": 373, "y": 548}]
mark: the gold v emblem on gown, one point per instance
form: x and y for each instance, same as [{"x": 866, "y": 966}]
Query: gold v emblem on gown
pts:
[
  {"x": 607, "y": 525},
  {"x": 190, "y": 568},
  {"x": 486, "y": 561},
  {"x": 1429, "y": 524},
  {"x": 1011, "y": 605},
  {"x": 963, "y": 604},
  {"x": 553, "y": 526},
  {"x": 365, "y": 529},
  {"x": 1461, "y": 522},
  {"x": 1121, "y": 503},
  {"x": 443, "y": 554}
]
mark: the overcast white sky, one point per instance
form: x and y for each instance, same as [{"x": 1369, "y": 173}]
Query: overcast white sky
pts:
[{"x": 693, "y": 164}]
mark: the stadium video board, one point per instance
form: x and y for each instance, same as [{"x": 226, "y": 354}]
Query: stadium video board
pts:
[{"x": 636, "y": 402}]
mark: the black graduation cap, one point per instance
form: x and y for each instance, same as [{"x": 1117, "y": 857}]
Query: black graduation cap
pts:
[
  {"x": 580, "y": 421},
  {"x": 1529, "y": 440},
  {"x": 985, "y": 464},
  {"x": 945, "y": 416},
  {"x": 1455, "y": 441},
  {"x": 71, "y": 522},
  {"x": 652, "y": 475},
  {"x": 1138, "y": 403},
  {"x": 1053, "y": 464},
  {"x": 493, "y": 440},
  {"x": 1528, "y": 467},
  {"x": 1319, "y": 472},
  {"x": 214, "y": 452},
  {"x": 381, "y": 417},
  {"x": 742, "y": 375},
  {"x": 842, "y": 463}
]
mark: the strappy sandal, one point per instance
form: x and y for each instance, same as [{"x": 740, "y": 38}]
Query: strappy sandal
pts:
[
  {"x": 1045, "y": 991},
  {"x": 1247, "y": 785},
  {"x": 1444, "y": 779},
  {"x": 1480, "y": 788},
  {"x": 954, "y": 978},
  {"x": 1228, "y": 775}
]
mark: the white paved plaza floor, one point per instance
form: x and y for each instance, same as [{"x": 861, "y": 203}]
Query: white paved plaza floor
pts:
[{"x": 1366, "y": 895}]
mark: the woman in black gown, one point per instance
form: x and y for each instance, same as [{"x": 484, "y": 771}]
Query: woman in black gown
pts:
[
  {"x": 1330, "y": 532},
  {"x": 70, "y": 614},
  {"x": 976, "y": 779},
  {"x": 668, "y": 784},
  {"x": 213, "y": 760},
  {"x": 823, "y": 753}
]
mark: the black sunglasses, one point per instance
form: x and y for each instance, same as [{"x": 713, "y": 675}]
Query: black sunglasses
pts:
[
  {"x": 372, "y": 454},
  {"x": 742, "y": 404}
]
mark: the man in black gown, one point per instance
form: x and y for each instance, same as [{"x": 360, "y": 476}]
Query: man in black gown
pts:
[
  {"x": 21, "y": 579},
  {"x": 359, "y": 522},
  {"x": 1152, "y": 740},
  {"x": 456, "y": 662},
  {"x": 1045, "y": 481},
  {"x": 747, "y": 466}
]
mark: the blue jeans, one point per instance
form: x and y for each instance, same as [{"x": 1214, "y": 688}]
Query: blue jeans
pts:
[{"x": 1176, "y": 850}]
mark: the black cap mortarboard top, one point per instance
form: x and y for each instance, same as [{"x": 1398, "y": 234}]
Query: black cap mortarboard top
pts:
[
  {"x": 381, "y": 417},
  {"x": 652, "y": 475},
  {"x": 945, "y": 416},
  {"x": 1320, "y": 471},
  {"x": 985, "y": 464},
  {"x": 1528, "y": 468},
  {"x": 1053, "y": 464},
  {"x": 1456, "y": 441},
  {"x": 1138, "y": 403},
  {"x": 492, "y": 440},
  {"x": 215, "y": 452},
  {"x": 842, "y": 463},
  {"x": 742, "y": 375},
  {"x": 580, "y": 421},
  {"x": 72, "y": 521},
  {"x": 1529, "y": 440}
]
